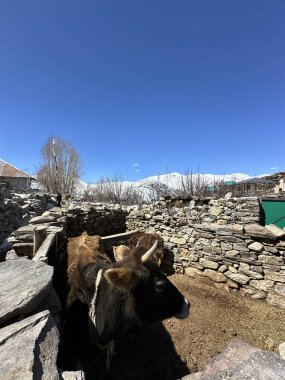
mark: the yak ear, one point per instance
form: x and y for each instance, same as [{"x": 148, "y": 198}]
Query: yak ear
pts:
[
  {"x": 116, "y": 253},
  {"x": 120, "y": 252},
  {"x": 121, "y": 277}
]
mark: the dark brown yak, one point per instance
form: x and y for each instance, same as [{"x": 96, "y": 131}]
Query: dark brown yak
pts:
[{"x": 106, "y": 299}]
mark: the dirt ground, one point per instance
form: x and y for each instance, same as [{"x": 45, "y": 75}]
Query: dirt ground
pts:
[{"x": 175, "y": 347}]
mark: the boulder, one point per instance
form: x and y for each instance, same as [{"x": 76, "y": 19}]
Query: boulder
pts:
[
  {"x": 255, "y": 230},
  {"x": 42, "y": 219},
  {"x": 240, "y": 361},
  {"x": 237, "y": 277},
  {"x": 215, "y": 276},
  {"x": 276, "y": 300},
  {"x": 24, "y": 284},
  {"x": 276, "y": 231},
  {"x": 256, "y": 246},
  {"x": 208, "y": 263},
  {"x": 28, "y": 349}
]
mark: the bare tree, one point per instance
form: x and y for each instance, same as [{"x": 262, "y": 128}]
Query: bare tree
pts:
[
  {"x": 155, "y": 189},
  {"x": 115, "y": 190},
  {"x": 61, "y": 166},
  {"x": 193, "y": 184}
]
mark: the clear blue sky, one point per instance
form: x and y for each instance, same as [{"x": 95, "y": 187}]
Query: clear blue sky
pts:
[{"x": 145, "y": 87}]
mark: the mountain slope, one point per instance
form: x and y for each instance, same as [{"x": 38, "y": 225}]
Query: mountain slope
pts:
[{"x": 174, "y": 180}]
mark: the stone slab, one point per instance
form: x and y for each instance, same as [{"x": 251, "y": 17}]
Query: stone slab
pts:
[
  {"x": 28, "y": 349},
  {"x": 24, "y": 284},
  {"x": 240, "y": 361}
]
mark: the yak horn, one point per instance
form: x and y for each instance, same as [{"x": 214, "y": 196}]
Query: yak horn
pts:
[{"x": 146, "y": 257}]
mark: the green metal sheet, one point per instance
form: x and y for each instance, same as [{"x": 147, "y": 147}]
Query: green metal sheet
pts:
[{"x": 274, "y": 212}]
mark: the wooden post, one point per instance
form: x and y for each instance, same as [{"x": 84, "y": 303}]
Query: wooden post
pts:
[
  {"x": 43, "y": 251},
  {"x": 40, "y": 234}
]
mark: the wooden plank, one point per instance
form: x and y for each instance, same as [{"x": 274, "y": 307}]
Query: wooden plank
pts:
[
  {"x": 118, "y": 237},
  {"x": 42, "y": 253},
  {"x": 40, "y": 234}
]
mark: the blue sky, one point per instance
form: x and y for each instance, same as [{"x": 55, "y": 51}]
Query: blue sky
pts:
[{"x": 145, "y": 87}]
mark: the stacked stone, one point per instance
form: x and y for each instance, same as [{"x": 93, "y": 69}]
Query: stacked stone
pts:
[
  {"x": 16, "y": 210},
  {"x": 233, "y": 210},
  {"x": 100, "y": 219},
  {"x": 10, "y": 215},
  {"x": 249, "y": 256},
  {"x": 22, "y": 239},
  {"x": 198, "y": 210}
]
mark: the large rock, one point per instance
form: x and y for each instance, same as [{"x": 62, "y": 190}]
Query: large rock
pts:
[
  {"x": 28, "y": 349},
  {"x": 24, "y": 284},
  {"x": 208, "y": 263},
  {"x": 255, "y": 230},
  {"x": 237, "y": 277},
  {"x": 240, "y": 361},
  {"x": 278, "y": 232},
  {"x": 256, "y": 246},
  {"x": 264, "y": 285},
  {"x": 215, "y": 276},
  {"x": 271, "y": 260},
  {"x": 42, "y": 219},
  {"x": 276, "y": 300}
]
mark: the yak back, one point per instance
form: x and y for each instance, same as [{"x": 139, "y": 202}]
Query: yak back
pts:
[{"x": 82, "y": 251}]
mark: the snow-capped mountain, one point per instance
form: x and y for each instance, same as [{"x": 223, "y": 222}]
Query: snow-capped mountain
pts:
[{"x": 174, "y": 180}]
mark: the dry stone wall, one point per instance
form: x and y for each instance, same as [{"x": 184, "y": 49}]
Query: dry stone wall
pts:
[
  {"x": 17, "y": 209},
  {"x": 245, "y": 256},
  {"x": 98, "y": 219}
]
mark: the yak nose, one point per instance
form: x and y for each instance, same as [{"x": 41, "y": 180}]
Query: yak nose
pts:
[{"x": 184, "y": 312}]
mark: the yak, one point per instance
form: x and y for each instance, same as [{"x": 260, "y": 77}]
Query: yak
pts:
[{"x": 110, "y": 298}]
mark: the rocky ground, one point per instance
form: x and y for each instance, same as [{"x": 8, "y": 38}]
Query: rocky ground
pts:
[{"x": 178, "y": 347}]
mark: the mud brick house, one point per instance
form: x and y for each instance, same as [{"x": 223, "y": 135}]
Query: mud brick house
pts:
[{"x": 16, "y": 178}]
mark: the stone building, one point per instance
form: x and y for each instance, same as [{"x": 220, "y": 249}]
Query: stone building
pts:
[{"x": 16, "y": 178}]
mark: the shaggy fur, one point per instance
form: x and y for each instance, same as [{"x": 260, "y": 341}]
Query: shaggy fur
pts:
[
  {"x": 146, "y": 240},
  {"x": 82, "y": 251}
]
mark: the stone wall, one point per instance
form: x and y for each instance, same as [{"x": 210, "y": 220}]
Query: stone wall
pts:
[
  {"x": 202, "y": 210},
  {"x": 98, "y": 219},
  {"x": 17, "y": 209},
  {"x": 101, "y": 220},
  {"x": 243, "y": 256}
]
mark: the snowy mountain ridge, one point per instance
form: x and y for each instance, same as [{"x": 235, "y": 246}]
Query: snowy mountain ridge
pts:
[{"x": 174, "y": 180}]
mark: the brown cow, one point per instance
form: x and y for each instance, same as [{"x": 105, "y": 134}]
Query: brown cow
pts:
[
  {"x": 147, "y": 240},
  {"x": 82, "y": 251}
]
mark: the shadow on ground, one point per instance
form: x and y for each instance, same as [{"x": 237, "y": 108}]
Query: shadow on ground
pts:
[{"x": 145, "y": 353}]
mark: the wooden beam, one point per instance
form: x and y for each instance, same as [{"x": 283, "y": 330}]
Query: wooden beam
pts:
[
  {"x": 42, "y": 253},
  {"x": 40, "y": 234},
  {"x": 118, "y": 237}
]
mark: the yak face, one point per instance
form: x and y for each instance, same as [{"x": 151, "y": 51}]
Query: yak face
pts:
[{"x": 155, "y": 298}]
